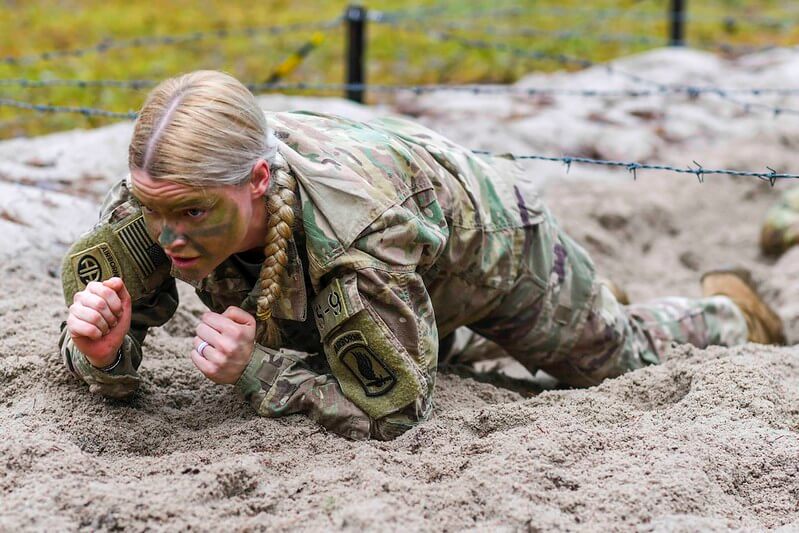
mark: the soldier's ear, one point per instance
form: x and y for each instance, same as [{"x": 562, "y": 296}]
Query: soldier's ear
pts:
[{"x": 259, "y": 179}]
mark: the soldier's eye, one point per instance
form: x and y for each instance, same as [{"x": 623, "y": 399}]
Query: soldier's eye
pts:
[{"x": 195, "y": 212}]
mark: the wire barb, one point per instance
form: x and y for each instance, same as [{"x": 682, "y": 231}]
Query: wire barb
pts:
[
  {"x": 772, "y": 177},
  {"x": 700, "y": 172},
  {"x": 633, "y": 169}
]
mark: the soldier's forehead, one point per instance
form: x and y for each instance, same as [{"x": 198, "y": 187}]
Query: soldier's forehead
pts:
[{"x": 164, "y": 191}]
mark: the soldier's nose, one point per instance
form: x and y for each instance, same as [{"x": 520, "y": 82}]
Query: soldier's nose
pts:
[{"x": 169, "y": 238}]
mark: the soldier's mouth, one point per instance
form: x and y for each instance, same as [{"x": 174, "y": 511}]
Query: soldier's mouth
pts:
[{"x": 184, "y": 262}]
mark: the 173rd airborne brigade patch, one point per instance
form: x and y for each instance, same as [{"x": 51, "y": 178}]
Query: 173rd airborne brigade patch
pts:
[
  {"x": 372, "y": 373},
  {"x": 371, "y": 365},
  {"x": 122, "y": 249}
]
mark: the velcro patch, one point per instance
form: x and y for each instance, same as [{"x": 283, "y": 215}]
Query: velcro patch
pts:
[
  {"x": 335, "y": 304},
  {"x": 375, "y": 377},
  {"x": 95, "y": 264},
  {"x": 115, "y": 249},
  {"x": 373, "y": 368},
  {"x": 144, "y": 251}
]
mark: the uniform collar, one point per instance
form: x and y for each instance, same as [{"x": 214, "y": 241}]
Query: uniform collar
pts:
[{"x": 292, "y": 304}]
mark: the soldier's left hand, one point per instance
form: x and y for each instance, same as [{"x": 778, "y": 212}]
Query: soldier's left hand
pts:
[{"x": 231, "y": 340}]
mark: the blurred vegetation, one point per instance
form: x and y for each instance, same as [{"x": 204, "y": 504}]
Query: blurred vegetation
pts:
[{"x": 395, "y": 54}]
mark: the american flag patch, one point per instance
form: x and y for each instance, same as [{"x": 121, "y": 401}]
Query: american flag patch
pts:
[{"x": 141, "y": 247}]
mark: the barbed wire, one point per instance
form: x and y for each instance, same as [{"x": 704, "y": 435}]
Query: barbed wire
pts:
[
  {"x": 85, "y": 111},
  {"x": 728, "y": 21},
  {"x": 387, "y": 17},
  {"x": 28, "y": 83},
  {"x": 619, "y": 37},
  {"x": 566, "y": 59},
  {"x": 477, "y": 89},
  {"x": 223, "y": 33},
  {"x": 161, "y": 40},
  {"x": 633, "y": 167},
  {"x": 741, "y": 49},
  {"x": 423, "y": 14},
  {"x": 559, "y": 35}
]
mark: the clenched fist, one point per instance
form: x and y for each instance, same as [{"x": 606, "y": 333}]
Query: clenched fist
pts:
[
  {"x": 231, "y": 340},
  {"x": 98, "y": 320}
]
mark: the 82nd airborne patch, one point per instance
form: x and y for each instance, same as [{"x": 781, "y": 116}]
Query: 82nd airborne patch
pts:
[
  {"x": 98, "y": 263},
  {"x": 375, "y": 377}
]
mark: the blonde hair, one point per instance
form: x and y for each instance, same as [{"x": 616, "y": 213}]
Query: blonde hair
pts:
[{"x": 205, "y": 129}]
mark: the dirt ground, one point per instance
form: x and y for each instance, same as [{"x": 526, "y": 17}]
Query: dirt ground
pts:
[{"x": 708, "y": 441}]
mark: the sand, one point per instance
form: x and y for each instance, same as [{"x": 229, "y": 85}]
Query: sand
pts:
[{"x": 709, "y": 440}]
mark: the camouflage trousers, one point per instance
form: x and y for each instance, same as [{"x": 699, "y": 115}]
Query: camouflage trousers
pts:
[{"x": 561, "y": 319}]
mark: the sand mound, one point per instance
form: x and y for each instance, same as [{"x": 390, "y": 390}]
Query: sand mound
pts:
[{"x": 709, "y": 440}]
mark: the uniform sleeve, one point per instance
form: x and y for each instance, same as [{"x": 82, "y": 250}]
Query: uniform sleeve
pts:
[
  {"x": 153, "y": 307},
  {"x": 380, "y": 345},
  {"x": 121, "y": 378}
]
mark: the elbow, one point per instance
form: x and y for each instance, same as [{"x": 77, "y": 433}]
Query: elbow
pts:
[
  {"x": 117, "y": 388},
  {"x": 389, "y": 428},
  {"x": 392, "y": 426}
]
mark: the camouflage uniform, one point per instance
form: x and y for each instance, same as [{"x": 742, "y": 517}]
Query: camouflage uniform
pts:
[
  {"x": 781, "y": 229},
  {"x": 404, "y": 237}
]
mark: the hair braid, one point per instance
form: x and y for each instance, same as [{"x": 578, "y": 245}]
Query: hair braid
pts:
[{"x": 280, "y": 210}]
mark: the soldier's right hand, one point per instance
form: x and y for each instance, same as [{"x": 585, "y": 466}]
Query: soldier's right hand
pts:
[{"x": 98, "y": 320}]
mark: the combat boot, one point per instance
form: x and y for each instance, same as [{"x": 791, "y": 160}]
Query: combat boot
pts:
[
  {"x": 765, "y": 326},
  {"x": 781, "y": 228},
  {"x": 617, "y": 290}
]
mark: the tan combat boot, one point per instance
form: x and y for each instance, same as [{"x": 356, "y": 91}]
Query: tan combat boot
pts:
[
  {"x": 617, "y": 290},
  {"x": 765, "y": 326}
]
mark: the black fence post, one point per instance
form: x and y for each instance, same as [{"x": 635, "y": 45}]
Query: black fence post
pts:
[
  {"x": 356, "y": 47},
  {"x": 677, "y": 23}
]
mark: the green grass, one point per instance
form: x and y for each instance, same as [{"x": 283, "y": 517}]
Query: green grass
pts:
[{"x": 394, "y": 55}]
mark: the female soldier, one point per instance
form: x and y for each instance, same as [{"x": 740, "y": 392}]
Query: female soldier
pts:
[{"x": 358, "y": 244}]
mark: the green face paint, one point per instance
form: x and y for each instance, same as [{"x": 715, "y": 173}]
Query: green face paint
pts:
[
  {"x": 167, "y": 237},
  {"x": 198, "y": 229}
]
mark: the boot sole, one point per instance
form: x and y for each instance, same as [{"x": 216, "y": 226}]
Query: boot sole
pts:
[{"x": 744, "y": 274}]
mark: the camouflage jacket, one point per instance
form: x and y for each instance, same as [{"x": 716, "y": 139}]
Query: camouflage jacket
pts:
[{"x": 402, "y": 236}]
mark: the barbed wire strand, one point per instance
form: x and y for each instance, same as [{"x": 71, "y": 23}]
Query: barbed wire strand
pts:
[
  {"x": 424, "y": 14},
  {"x": 566, "y": 59},
  {"x": 477, "y": 89},
  {"x": 726, "y": 20},
  {"x": 85, "y": 111},
  {"x": 224, "y": 33},
  {"x": 160, "y": 40},
  {"x": 633, "y": 167},
  {"x": 558, "y": 35},
  {"x": 619, "y": 37}
]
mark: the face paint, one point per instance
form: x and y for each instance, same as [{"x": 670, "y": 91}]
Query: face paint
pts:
[
  {"x": 167, "y": 237},
  {"x": 198, "y": 229}
]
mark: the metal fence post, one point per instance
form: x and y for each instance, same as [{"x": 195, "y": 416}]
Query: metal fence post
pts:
[
  {"x": 356, "y": 47},
  {"x": 677, "y": 23}
]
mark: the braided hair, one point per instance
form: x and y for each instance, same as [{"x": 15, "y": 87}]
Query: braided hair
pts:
[{"x": 280, "y": 212}]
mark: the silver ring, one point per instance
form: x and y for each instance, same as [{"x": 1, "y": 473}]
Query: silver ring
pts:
[{"x": 203, "y": 345}]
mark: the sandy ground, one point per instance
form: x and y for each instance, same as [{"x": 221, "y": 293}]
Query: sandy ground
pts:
[{"x": 707, "y": 441}]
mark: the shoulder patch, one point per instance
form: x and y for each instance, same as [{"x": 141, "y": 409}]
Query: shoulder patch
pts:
[
  {"x": 115, "y": 248},
  {"x": 335, "y": 304},
  {"x": 95, "y": 264},
  {"x": 374, "y": 375},
  {"x": 144, "y": 251}
]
